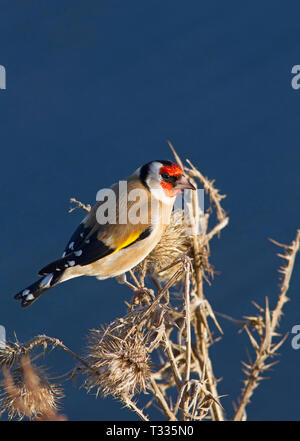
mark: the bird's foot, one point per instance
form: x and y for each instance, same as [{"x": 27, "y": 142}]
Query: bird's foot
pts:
[{"x": 142, "y": 295}]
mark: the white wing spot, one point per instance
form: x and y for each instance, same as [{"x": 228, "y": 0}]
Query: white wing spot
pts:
[
  {"x": 85, "y": 219},
  {"x": 78, "y": 253},
  {"x": 46, "y": 280},
  {"x": 63, "y": 254},
  {"x": 71, "y": 262},
  {"x": 71, "y": 246}
]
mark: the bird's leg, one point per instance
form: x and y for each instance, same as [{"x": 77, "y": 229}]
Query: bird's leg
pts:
[
  {"x": 140, "y": 293},
  {"x": 122, "y": 279}
]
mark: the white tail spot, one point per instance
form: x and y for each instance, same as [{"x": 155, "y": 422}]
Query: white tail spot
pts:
[{"x": 46, "y": 281}]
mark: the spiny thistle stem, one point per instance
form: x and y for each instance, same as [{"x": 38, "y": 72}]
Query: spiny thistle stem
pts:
[
  {"x": 266, "y": 348},
  {"x": 161, "y": 399},
  {"x": 188, "y": 338}
]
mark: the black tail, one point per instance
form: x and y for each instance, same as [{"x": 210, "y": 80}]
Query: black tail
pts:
[{"x": 34, "y": 291}]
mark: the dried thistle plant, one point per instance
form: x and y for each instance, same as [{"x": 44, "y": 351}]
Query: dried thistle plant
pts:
[
  {"x": 266, "y": 328},
  {"x": 28, "y": 392},
  {"x": 119, "y": 356},
  {"x": 162, "y": 344},
  {"x": 174, "y": 244},
  {"x": 10, "y": 354},
  {"x": 166, "y": 257}
]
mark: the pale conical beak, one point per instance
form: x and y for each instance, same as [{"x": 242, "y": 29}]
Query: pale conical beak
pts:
[{"x": 183, "y": 183}]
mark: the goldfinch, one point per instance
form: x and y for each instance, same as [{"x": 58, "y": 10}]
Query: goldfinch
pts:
[{"x": 118, "y": 232}]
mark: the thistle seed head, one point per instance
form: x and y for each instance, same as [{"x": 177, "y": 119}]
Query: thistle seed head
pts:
[
  {"x": 26, "y": 391},
  {"x": 119, "y": 357},
  {"x": 175, "y": 243}
]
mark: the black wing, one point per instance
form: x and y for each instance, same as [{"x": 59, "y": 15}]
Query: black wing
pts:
[
  {"x": 91, "y": 250},
  {"x": 78, "y": 237}
]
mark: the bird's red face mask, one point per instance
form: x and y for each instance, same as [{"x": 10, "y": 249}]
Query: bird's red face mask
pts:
[{"x": 173, "y": 180}]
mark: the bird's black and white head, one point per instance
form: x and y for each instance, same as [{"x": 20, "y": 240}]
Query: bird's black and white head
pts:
[{"x": 164, "y": 179}]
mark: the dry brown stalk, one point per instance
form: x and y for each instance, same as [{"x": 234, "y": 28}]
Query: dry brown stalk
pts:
[
  {"x": 161, "y": 399},
  {"x": 78, "y": 204},
  {"x": 266, "y": 348},
  {"x": 201, "y": 326}
]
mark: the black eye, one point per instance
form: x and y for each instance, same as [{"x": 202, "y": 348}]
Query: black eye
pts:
[{"x": 167, "y": 178}]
